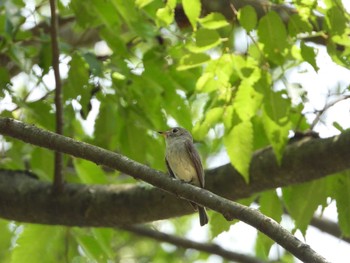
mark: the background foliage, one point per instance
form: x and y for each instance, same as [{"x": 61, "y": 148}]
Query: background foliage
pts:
[{"x": 130, "y": 68}]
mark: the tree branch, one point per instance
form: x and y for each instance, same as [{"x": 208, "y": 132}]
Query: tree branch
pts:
[
  {"x": 58, "y": 176},
  {"x": 328, "y": 227},
  {"x": 203, "y": 197},
  {"x": 186, "y": 243}
]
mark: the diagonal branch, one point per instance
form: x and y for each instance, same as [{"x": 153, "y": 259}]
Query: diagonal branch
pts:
[
  {"x": 186, "y": 243},
  {"x": 203, "y": 197},
  {"x": 58, "y": 176}
]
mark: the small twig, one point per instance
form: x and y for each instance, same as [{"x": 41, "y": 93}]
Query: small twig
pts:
[
  {"x": 325, "y": 108},
  {"x": 186, "y": 243},
  {"x": 58, "y": 176}
]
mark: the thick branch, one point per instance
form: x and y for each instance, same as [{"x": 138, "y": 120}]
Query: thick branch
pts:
[
  {"x": 186, "y": 243},
  {"x": 89, "y": 216}
]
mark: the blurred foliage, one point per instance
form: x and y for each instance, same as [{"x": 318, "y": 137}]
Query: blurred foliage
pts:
[{"x": 129, "y": 70}]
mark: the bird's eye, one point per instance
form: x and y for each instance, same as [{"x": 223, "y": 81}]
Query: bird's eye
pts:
[{"x": 175, "y": 130}]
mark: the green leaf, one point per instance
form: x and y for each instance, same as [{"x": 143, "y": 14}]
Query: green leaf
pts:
[
  {"x": 273, "y": 35},
  {"x": 295, "y": 198},
  {"x": 90, "y": 245},
  {"x": 228, "y": 116},
  {"x": 297, "y": 25},
  {"x": 88, "y": 172},
  {"x": 4, "y": 79},
  {"x": 277, "y": 107},
  {"x": 45, "y": 57},
  {"x": 336, "y": 22},
  {"x": 142, "y": 3},
  {"x": 277, "y": 134},
  {"x": 213, "y": 21},
  {"x": 132, "y": 17},
  {"x": 239, "y": 146},
  {"x": 276, "y": 120},
  {"x": 247, "y": 17},
  {"x": 104, "y": 237},
  {"x": 247, "y": 101},
  {"x": 206, "y": 83},
  {"x": 338, "y": 126},
  {"x": 341, "y": 190},
  {"x": 205, "y": 40},
  {"x": 309, "y": 55},
  {"x": 95, "y": 65},
  {"x": 108, "y": 124},
  {"x": 165, "y": 15},
  {"x": 5, "y": 241},
  {"x": 36, "y": 114},
  {"x": 192, "y": 61},
  {"x": 212, "y": 116},
  {"x": 35, "y": 240},
  {"x": 270, "y": 205},
  {"x": 218, "y": 224},
  {"x": 78, "y": 78},
  {"x": 42, "y": 163},
  {"x": 192, "y": 10}
]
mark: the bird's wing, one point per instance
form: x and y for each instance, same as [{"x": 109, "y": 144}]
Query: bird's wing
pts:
[
  {"x": 169, "y": 169},
  {"x": 192, "y": 152}
]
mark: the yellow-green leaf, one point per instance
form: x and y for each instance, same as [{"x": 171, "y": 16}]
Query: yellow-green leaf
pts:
[
  {"x": 192, "y": 61},
  {"x": 239, "y": 146},
  {"x": 192, "y": 10},
  {"x": 213, "y": 21}
]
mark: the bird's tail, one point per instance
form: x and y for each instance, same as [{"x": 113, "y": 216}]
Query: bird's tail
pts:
[{"x": 203, "y": 217}]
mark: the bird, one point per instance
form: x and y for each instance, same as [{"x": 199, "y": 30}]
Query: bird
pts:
[{"x": 183, "y": 162}]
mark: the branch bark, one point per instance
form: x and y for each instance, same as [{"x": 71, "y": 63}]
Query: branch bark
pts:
[
  {"x": 186, "y": 243},
  {"x": 88, "y": 212}
]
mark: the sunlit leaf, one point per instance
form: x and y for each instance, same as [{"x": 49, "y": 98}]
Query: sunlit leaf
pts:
[
  {"x": 212, "y": 116},
  {"x": 192, "y": 61},
  {"x": 247, "y": 101},
  {"x": 142, "y": 3},
  {"x": 239, "y": 146},
  {"x": 5, "y": 241},
  {"x": 192, "y": 10},
  {"x": 205, "y": 40},
  {"x": 213, "y": 21},
  {"x": 166, "y": 14},
  {"x": 38, "y": 238}
]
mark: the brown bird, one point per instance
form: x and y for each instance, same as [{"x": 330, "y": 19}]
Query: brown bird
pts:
[{"x": 183, "y": 162}]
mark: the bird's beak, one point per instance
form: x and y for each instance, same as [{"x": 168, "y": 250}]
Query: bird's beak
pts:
[{"x": 163, "y": 133}]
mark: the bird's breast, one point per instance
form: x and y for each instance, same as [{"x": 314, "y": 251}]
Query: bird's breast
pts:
[{"x": 180, "y": 162}]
